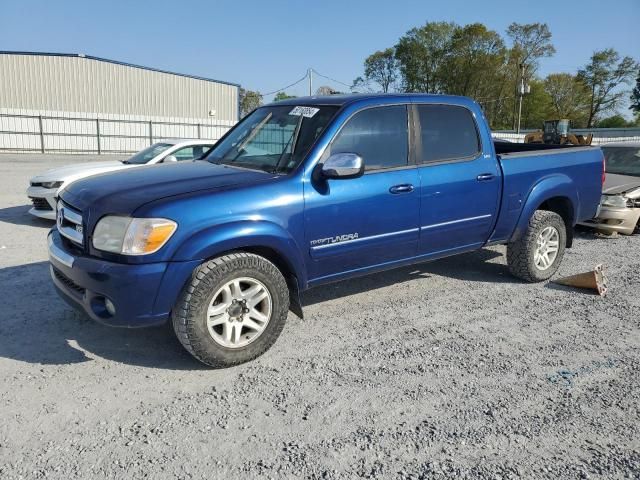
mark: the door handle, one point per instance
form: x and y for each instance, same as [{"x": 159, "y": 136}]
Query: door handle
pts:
[
  {"x": 403, "y": 188},
  {"x": 483, "y": 177}
]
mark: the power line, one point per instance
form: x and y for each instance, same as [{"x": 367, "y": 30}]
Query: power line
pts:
[
  {"x": 306, "y": 75},
  {"x": 288, "y": 86},
  {"x": 332, "y": 79}
]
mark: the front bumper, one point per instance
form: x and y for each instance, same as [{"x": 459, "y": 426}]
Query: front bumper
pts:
[
  {"x": 610, "y": 219},
  {"x": 44, "y": 201},
  {"x": 142, "y": 294}
]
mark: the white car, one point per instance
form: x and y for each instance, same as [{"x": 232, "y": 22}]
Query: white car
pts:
[{"x": 43, "y": 189}]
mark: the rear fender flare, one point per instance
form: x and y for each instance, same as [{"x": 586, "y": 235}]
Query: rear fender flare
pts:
[{"x": 556, "y": 185}]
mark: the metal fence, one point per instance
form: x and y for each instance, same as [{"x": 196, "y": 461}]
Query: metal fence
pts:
[
  {"x": 78, "y": 134},
  {"x": 600, "y": 135},
  {"x": 92, "y": 134}
]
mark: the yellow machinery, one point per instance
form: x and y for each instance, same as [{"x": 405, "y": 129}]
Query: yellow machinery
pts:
[{"x": 557, "y": 132}]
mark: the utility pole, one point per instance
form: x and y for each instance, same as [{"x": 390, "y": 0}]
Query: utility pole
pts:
[
  {"x": 520, "y": 96},
  {"x": 310, "y": 73}
]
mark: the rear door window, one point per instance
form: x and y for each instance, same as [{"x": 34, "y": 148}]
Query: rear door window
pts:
[
  {"x": 446, "y": 133},
  {"x": 379, "y": 135}
]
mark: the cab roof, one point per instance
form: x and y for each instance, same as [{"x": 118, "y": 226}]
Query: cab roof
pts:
[{"x": 341, "y": 100}]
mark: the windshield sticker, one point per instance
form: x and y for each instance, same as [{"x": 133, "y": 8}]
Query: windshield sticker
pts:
[{"x": 307, "y": 112}]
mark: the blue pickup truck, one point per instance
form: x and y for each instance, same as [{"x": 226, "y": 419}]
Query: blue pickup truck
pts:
[{"x": 305, "y": 192}]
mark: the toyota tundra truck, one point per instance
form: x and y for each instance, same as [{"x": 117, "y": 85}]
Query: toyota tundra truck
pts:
[{"x": 305, "y": 192}]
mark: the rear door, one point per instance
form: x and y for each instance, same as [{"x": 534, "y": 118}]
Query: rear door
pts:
[
  {"x": 460, "y": 184},
  {"x": 356, "y": 223}
]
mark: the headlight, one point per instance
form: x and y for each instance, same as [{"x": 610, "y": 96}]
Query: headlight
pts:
[
  {"x": 615, "y": 201},
  {"x": 52, "y": 184},
  {"x": 132, "y": 236}
]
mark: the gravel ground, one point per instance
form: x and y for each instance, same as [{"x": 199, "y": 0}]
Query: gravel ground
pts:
[{"x": 451, "y": 369}]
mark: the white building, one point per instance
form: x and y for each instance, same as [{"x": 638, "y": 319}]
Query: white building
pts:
[{"x": 56, "y": 102}]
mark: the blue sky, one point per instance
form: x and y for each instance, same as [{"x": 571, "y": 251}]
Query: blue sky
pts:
[{"x": 266, "y": 45}]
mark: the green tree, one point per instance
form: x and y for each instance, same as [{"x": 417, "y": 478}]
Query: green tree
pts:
[
  {"x": 614, "y": 121},
  {"x": 249, "y": 101},
  {"x": 442, "y": 57},
  {"x": 381, "y": 67},
  {"x": 282, "y": 96},
  {"x": 569, "y": 98},
  {"x": 635, "y": 97},
  {"x": 475, "y": 55},
  {"x": 475, "y": 67},
  {"x": 603, "y": 74},
  {"x": 420, "y": 54},
  {"x": 529, "y": 43},
  {"x": 536, "y": 105},
  {"x": 361, "y": 85}
]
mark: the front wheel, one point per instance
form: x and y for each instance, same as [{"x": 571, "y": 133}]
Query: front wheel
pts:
[
  {"x": 232, "y": 310},
  {"x": 538, "y": 253}
]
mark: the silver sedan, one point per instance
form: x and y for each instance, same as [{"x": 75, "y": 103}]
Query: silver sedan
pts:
[{"x": 620, "y": 205}]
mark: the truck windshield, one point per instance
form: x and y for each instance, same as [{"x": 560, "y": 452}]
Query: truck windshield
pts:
[
  {"x": 622, "y": 160},
  {"x": 143, "y": 156},
  {"x": 273, "y": 138}
]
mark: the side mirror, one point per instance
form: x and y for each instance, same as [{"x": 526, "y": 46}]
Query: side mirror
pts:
[
  {"x": 342, "y": 166},
  {"x": 170, "y": 159}
]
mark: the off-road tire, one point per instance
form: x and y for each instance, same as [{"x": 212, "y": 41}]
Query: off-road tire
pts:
[
  {"x": 520, "y": 254},
  {"x": 189, "y": 313}
]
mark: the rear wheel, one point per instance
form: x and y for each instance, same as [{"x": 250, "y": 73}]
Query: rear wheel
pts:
[
  {"x": 232, "y": 310},
  {"x": 538, "y": 253}
]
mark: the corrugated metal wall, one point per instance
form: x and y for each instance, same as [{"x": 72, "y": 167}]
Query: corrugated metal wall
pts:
[{"x": 79, "y": 84}]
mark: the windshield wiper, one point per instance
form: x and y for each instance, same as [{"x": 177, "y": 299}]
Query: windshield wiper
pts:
[{"x": 248, "y": 166}]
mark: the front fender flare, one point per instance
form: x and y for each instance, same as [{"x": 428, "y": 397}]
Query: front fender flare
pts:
[
  {"x": 216, "y": 240},
  {"x": 552, "y": 186}
]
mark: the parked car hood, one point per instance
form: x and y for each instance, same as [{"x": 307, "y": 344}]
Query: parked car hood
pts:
[
  {"x": 123, "y": 192},
  {"x": 620, "y": 184},
  {"x": 79, "y": 170}
]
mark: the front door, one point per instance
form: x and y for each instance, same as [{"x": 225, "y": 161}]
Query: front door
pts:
[{"x": 354, "y": 224}]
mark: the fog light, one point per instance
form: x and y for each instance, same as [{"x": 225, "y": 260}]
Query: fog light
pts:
[{"x": 111, "y": 308}]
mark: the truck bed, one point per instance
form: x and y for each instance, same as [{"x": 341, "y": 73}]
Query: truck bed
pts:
[
  {"x": 572, "y": 168},
  {"x": 509, "y": 148}
]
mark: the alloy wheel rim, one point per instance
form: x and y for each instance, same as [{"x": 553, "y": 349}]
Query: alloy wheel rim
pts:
[
  {"x": 239, "y": 312},
  {"x": 547, "y": 245}
]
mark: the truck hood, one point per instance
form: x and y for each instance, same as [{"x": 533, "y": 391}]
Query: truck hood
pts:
[
  {"x": 620, "y": 184},
  {"x": 125, "y": 191},
  {"x": 72, "y": 172}
]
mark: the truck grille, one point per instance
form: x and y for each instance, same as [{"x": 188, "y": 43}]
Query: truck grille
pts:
[
  {"x": 40, "y": 203},
  {"x": 69, "y": 223},
  {"x": 68, "y": 282}
]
